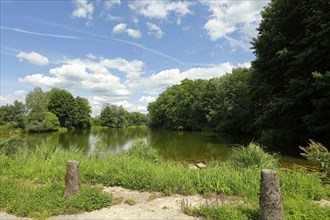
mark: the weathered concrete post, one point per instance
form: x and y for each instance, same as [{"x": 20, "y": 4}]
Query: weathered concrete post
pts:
[
  {"x": 72, "y": 179},
  {"x": 270, "y": 196}
]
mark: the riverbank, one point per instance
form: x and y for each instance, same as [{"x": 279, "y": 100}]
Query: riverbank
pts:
[{"x": 141, "y": 168}]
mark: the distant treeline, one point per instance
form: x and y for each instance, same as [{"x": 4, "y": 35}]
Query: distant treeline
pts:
[
  {"x": 48, "y": 111},
  {"x": 284, "y": 96}
]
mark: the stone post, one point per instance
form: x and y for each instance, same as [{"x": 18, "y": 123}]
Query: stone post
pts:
[
  {"x": 270, "y": 196},
  {"x": 72, "y": 179}
]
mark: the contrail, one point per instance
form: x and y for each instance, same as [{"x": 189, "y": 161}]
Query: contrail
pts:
[
  {"x": 40, "y": 34},
  {"x": 115, "y": 39}
]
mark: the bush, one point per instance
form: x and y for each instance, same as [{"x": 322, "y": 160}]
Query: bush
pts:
[
  {"x": 143, "y": 151},
  {"x": 318, "y": 155},
  {"x": 253, "y": 156},
  {"x": 10, "y": 146}
]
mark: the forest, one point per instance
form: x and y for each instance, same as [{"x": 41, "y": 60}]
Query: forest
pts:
[
  {"x": 50, "y": 111},
  {"x": 284, "y": 96}
]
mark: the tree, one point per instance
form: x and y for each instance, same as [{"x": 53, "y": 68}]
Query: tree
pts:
[
  {"x": 137, "y": 119},
  {"x": 83, "y": 117},
  {"x": 293, "y": 42},
  {"x": 113, "y": 116},
  {"x": 13, "y": 114},
  {"x": 38, "y": 118},
  {"x": 63, "y": 105}
]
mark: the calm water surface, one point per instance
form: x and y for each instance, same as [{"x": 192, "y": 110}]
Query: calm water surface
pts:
[{"x": 189, "y": 146}]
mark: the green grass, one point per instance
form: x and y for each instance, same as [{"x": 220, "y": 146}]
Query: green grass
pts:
[
  {"x": 24, "y": 198},
  {"x": 142, "y": 169}
]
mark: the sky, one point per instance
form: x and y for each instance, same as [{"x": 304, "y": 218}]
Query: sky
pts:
[{"x": 121, "y": 52}]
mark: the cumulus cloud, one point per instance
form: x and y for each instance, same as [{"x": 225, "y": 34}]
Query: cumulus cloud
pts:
[
  {"x": 158, "y": 82},
  {"x": 80, "y": 74},
  {"x": 228, "y": 17},
  {"x": 18, "y": 95},
  {"x": 34, "y": 58},
  {"x": 122, "y": 28},
  {"x": 161, "y": 9},
  {"x": 96, "y": 78},
  {"x": 147, "y": 99},
  {"x": 131, "y": 68},
  {"x": 155, "y": 30},
  {"x": 82, "y": 9}
]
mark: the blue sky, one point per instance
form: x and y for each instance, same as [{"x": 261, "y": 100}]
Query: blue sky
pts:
[{"x": 121, "y": 52}]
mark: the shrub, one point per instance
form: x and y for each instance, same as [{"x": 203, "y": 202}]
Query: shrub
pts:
[
  {"x": 10, "y": 146},
  {"x": 318, "y": 155},
  {"x": 253, "y": 156},
  {"x": 142, "y": 150}
]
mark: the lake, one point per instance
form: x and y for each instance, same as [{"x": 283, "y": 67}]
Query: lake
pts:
[{"x": 187, "y": 146}]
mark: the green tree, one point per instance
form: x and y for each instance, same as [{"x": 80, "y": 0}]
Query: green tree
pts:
[
  {"x": 63, "y": 105},
  {"x": 137, "y": 119},
  {"x": 38, "y": 118},
  {"x": 293, "y": 42},
  {"x": 14, "y": 114},
  {"x": 113, "y": 116},
  {"x": 83, "y": 117}
]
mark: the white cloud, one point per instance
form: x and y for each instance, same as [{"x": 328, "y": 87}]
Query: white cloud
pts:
[
  {"x": 131, "y": 68},
  {"x": 161, "y": 9},
  {"x": 158, "y": 82},
  {"x": 110, "y": 3},
  {"x": 9, "y": 99},
  {"x": 155, "y": 30},
  {"x": 33, "y": 57},
  {"x": 91, "y": 56},
  {"x": 122, "y": 28},
  {"x": 228, "y": 17},
  {"x": 147, "y": 99},
  {"x": 80, "y": 74},
  {"x": 82, "y": 9}
]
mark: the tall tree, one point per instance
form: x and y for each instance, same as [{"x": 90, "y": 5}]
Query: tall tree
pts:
[
  {"x": 38, "y": 118},
  {"x": 293, "y": 42},
  {"x": 83, "y": 117},
  {"x": 63, "y": 105},
  {"x": 14, "y": 114}
]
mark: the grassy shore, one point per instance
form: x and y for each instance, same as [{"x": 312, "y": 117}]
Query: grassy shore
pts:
[{"x": 41, "y": 173}]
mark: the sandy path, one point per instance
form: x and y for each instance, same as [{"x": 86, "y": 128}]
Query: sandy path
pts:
[{"x": 147, "y": 206}]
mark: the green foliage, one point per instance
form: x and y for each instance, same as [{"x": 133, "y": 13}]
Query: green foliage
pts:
[
  {"x": 113, "y": 116},
  {"x": 64, "y": 106},
  {"x": 42, "y": 121},
  {"x": 290, "y": 100},
  {"x": 142, "y": 150},
  {"x": 13, "y": 114},
  {"x": 215, "y": 212},
  {"x": 83, "y": 117},
  {"x": 253, "y": 156},
  {"x": 24, "y": 199},
  {"x": 137, "y": 119},
  {"x": 215, "y": 104},
  {"x": 130, "y": 202},
  {"x": 318, "y": 155},
  {"x": 10, "y": 146}
]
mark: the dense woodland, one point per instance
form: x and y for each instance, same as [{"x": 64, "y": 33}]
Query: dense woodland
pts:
[
  {"x": 284, "y": 96},
  {"x": 48, "y": 111}
]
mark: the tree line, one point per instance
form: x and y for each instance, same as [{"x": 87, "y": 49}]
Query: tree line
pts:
[
  {"x": 284, "y": 96},
  {"x": 48, "y": 111}
]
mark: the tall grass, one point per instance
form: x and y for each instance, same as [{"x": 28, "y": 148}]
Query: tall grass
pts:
[
  {"x": 141, "y": 168},
  {"x": 253, "y": 156}
]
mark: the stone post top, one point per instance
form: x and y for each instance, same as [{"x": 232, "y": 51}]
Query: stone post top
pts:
[
  {"x": 267, "y": 171},
  {"x": 73, "y": 161}
]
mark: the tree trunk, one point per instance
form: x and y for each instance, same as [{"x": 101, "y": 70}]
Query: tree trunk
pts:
[
  {"x": 72, "y": 179},
  {"x": 270, "y": 196}
]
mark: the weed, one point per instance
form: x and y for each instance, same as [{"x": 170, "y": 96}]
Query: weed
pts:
[{"x": 130, "y": 202}]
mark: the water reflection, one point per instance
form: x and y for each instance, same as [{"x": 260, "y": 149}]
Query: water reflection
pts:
[{"x": 174, "y": 145}]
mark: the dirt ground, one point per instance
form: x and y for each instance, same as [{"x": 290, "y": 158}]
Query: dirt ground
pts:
[{"x": 130, "y": 204}]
